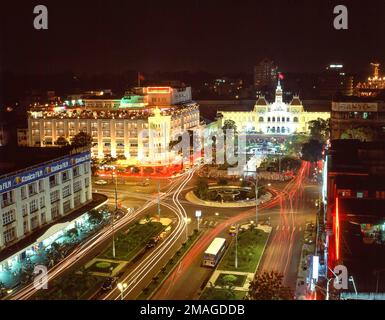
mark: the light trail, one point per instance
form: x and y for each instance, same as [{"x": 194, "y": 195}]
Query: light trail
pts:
[
  {"x": 146, "y": 266},
  {"x": 84, "y": 248}
]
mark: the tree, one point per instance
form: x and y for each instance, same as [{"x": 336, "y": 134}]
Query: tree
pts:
[
  {"x": 202, "y": 188},
  {"x": 229, "y": 125},
  {"x": 293, "y": 144},
  {"x": 95, "y": 217},
  {"x": 269, "y": 286},
  {"x": 319, "y": 129},
  {"x": 82, "y": 139},
  {"x": 312, "y": 151},
  {"x": 62, "y": 141},
  {"x": 361, "y": 133}
]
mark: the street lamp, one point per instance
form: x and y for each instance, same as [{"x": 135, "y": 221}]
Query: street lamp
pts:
[
  {"x": 256, "y": 197},
  {"x": 116, "y": 209},
  {"x": 187, "y": 221},
  {"x": 122, "y": 287},
  {"x": 198, "y": 214},
  {"x": 236, "y": 247}
]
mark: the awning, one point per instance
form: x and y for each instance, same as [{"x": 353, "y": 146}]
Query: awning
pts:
[{"x": 54, "y": 229}]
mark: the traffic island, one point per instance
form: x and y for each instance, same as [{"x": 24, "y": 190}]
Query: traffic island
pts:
[{"x": 229, "y": 282}]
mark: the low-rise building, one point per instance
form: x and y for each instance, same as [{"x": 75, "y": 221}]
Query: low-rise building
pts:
[{"x": 38, "y": 188}]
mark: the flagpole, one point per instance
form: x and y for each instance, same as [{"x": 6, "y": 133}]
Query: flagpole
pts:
[{"x": 139, "y": 79}]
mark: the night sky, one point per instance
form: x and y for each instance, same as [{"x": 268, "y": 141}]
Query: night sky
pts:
[{"x": 201, "y": 35}]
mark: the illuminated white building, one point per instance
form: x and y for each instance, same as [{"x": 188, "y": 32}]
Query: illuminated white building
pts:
[
  {"x": 277, "y": 118},
  {"x": 118, "y": 127},
  {"x": 36, "y": 193}
]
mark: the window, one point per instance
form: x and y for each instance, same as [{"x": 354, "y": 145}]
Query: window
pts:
[
  {"x": 34, "y": 222},
  {"x": 87, "y": 182},
  {"x": 260, "y": 119},
  {"x": 77, "y": 200},
  {"x": 77, "y": 186},
  {"x": 273, "y": 119},
  {"x": 66, "y": 191},
  {"x": 24, "y": 210},
  {"x": 7, "y": 199},
  {"x": 42, "y": 202},
  {"x": 41, "y": 185},
  {"x": 53, "y": 181},
  {"x": 86, "y": 167},
  {"x": 9, "y": 217},
  {"x": 9, "y": 235},
  {"x": 295, "y": 119},
  {"x": 32, "y": 189},
  {"x": 33, "y": 206},
  {"x": 65, "y": 176},
  {"x": 55, "y": 211},
  {"x": 23, "y": 192},
  {"x": 55, "y": 196},
  {"x": 76, "y": 171},
  {"x": 43, "y": 218},
  {"x": 25, "y": 226},
  {"x": 66, "y": 206}
]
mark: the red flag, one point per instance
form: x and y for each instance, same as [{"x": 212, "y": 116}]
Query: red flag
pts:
[
  {"x": 140, "y": 76},
  {"x": 280, "y": 76}
]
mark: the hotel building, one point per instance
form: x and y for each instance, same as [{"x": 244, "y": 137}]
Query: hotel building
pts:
[{"x": 117, "y": 126}]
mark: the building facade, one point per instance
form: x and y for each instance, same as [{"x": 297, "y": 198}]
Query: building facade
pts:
[
  {"x": 118, "y": 129},
  {"x": 353, "y": 113},
  {"x": 37, "y": 195},
  {"x": 275, "y": 118},
  {"x": 265, "y": 74}
]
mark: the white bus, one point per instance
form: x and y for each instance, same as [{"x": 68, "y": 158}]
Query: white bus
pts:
[{"x": 214, "y": 252}]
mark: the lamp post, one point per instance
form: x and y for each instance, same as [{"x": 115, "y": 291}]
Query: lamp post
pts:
[
  {"x": 198, "y": 214},
  {"x": 256, "y": 196},
  {"x": 187, "y": 221},
  {"x": 236, "y": 247},
  {"x": 122, "y": 287},
  {"x": 116, "y": 209}
]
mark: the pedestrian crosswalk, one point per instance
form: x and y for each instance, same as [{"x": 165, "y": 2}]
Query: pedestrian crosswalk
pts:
[
  {"x": 288, "y": 228},
  {"x": 209, "y": 223}
]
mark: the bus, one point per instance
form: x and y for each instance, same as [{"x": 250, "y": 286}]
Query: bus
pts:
[{"x": 214, "y": 252}]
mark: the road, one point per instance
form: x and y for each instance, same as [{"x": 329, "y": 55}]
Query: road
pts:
[
  {"x": 95, "y": 244},
  {"x": 289, "y": 210}
]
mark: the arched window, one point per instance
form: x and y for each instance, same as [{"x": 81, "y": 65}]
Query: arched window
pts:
[
  {"x": 287, "y": 119},
  {"x": 260, "y": 119},
  {"x": 273, "y": 119},
  {"x": 268, "y": 129},
  {"x": 278, "y": 119},
  {"x": 295, "y": 119},
  {"x": 278, "y": 130},
  {"x": 283, "y": 119},
  {"x": 273, "y": 129},
  {"x": 283, "y": 129},
  {"x": 268, "y": 119}
]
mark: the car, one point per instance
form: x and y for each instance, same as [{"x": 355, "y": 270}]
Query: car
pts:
[
  {"x": 101, "y": 182},
  {"x": 152, "y": 242},
  {"x": 233, "y": 230},
  {"x": 108, "y": 284}
]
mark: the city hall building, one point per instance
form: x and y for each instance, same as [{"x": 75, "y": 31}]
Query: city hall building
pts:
[
  {"x": 38, "y": 188},
  {"x": 277, "y": 118},
  {"x": 116, "y": 126}
]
